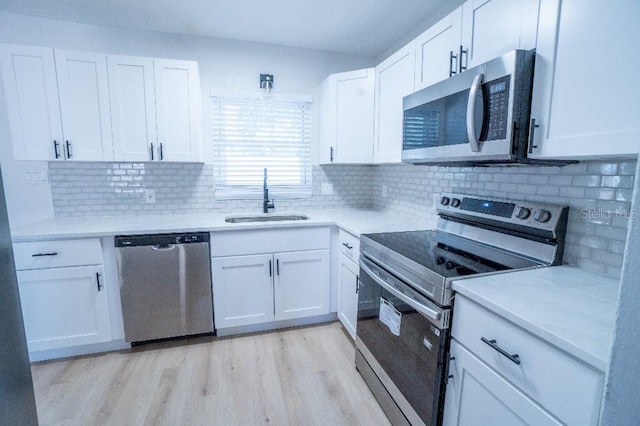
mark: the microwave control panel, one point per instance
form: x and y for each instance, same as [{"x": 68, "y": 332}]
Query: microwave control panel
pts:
[{"x": 496, "y": 98}]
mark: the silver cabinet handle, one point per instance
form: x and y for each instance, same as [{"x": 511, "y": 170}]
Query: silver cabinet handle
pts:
[
  {"x": 532, "y": 131},
  {"x": 515, "y": 358},
  {"x": 425, "y": 310},
  {"x": 347, "y": 246},
  {"x": 98, "y": 281},
  {"x": 68, "y": 145},
  {"x": 54, "y": 253},
  {"x": 56, "y": 144},
  {"x": 452, "y": 70},
  {"x": 151, "y": 150},
  {"x": 474, "y": 143},
  {"x": 463, "y": 52}
]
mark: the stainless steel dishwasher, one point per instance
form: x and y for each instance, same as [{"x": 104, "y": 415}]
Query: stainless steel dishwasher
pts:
[{"x": 165, "y": 285}]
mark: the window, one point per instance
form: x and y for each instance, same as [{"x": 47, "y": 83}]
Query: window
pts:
[{"x": 254, "y": 133}]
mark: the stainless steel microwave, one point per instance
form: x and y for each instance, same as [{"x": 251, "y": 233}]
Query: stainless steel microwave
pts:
[{"x": 480, "y": 116}]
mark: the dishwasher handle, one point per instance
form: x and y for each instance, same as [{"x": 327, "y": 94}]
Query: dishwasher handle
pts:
[{"x": 163, "y": 247}]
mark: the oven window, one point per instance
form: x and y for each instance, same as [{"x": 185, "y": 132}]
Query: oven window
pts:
[
  {"x": 413, "y": 359},
  {"x": 440, "y": 123}
]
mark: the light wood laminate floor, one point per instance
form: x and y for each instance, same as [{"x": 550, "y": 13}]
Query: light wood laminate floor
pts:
[{"x": 301, "y": 376}]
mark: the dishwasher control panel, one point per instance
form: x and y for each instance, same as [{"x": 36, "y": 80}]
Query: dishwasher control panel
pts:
[{"x": 161, "y": 239}]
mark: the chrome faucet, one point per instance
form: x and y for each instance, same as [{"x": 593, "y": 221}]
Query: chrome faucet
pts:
[{"x": 266, "y": 203}]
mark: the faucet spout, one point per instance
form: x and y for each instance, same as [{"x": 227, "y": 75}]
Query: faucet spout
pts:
[{"x": 266, "y": 203}]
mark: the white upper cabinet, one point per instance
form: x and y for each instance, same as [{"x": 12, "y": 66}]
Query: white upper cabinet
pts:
[
  {"x": 586, "y": 80},
  {"x": 435, "y": 50},
  {"x": 31, "y": 92},
  {"x": 474, "y": 33},
  {"x": 491, "y": 28},
  {"x": 58, "y": 108},
  {"x": 84, "y": 106},
  {"x": 178, "y": 108},
  {"x": 83, "y": 88},
  {"x": 156, "y": 109},
  {"x": 347, "y": 117},
  {"x": 394, "y": 81},
  {"x": 133, "y": 110}
]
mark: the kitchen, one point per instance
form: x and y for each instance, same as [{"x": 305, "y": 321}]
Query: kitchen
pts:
[{"x": 62, "y": 193}]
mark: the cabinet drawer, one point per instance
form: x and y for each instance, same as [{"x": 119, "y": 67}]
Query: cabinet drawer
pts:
[
  {"x": 238, "y": 243},
  {"x": 566, "y": 387},
  {"x": 57, "y": 254},
  {"x": 349, "y": 245}
]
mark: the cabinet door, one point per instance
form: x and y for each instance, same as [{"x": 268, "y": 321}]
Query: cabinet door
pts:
[
  {"x": 83, "y": 87},
  {"x": 478, "y": 395},
  {"x": 586, "y": 80},
  {"x": 347, "y": 117},
  {"x": 491, "y": 28},
  {"x": 348, "y": 294},
  {"x": 242, "y": 290},
  {"x": 133, "y": 108},
  {"x": 302, "y": 286},
  {"x": 64, "y": 307},
  {"x": 394, "y": 81},
  {"x": 434, "y": 50},
  {"x": 178, "y": 105},
  {"x": 31, "y": 91}
]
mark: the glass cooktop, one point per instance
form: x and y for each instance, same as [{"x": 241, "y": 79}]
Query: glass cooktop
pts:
[{"x": 435, "y": 251}]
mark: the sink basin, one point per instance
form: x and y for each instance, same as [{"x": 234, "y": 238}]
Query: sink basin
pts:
[{"x": 265, "y": 218}]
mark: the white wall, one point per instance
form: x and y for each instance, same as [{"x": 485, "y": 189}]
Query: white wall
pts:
[
  {"x": 224, "y": 64},
  {"x": 621, "y": 390}
]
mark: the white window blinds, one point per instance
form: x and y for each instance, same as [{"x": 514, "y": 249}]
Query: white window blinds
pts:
[{"x": 251, "y": 134}]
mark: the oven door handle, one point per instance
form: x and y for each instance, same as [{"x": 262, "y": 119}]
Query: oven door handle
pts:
[
  {"x": 474, "y": 143},
  {"x": 424, "y": 310}
]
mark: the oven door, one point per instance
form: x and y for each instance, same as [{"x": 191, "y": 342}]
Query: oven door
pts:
[{"x": 404, "y": 338}]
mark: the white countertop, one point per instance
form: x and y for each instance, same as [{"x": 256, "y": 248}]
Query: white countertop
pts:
[
  {"x": 568, "y": 307},
  {"x": 355, "y": 221}
]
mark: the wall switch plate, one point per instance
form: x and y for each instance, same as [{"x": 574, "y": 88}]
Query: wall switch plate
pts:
[
  {"x": 36, "y": 176},
  {"x": 327, "y": 189},
  {"x": 150, "y": 196},
  {"x": 383, "y": 193}
]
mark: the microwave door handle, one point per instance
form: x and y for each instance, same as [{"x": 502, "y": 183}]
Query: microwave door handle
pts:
[
  {"x": 474, "y": 143},
  {"x": 424, "y": 310}
]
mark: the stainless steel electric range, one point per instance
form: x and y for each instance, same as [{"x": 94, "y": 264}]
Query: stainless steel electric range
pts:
[{"x": 405, "y": 298}]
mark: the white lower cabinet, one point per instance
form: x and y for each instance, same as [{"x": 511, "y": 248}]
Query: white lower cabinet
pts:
[
  {"x": 242, "y": 290},
  {"x": 301, "y": 284},
  {"x": 348, "y": 294},
  {"x": 271, "y": 285},
  {"x": 63, "y": 305},
  {"x": 476, "y": 394},
  {"x": 501, "y": 374}
]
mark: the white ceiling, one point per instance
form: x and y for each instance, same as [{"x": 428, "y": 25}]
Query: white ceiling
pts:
[{"x": 361, "y": 27}]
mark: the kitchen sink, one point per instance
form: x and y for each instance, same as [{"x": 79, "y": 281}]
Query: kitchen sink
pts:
[{"x": 265, "y": 218}]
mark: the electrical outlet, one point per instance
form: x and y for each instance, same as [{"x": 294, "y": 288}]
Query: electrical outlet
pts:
[
  {"x": 150, "y": 196},
  {"x": 383, "y": 193},
  {"x": 327, "y": 189}
]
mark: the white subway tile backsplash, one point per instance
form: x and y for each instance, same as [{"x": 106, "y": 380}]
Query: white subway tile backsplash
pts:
[{"x": 598, "y": 193}]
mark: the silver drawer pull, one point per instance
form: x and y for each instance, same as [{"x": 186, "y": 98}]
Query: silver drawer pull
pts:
[
  {"x": 44, "y": 254},
  {"x": 347, "y": 245},
  {"x": 515, "y": 357}
]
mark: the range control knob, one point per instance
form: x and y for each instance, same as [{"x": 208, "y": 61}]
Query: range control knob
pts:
[
  {"x": 542, "y": 216},
  {"x": 522, "y": 212},
  {"x": 455, "y": 202},
  {"x": 445, "y": 201}
]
